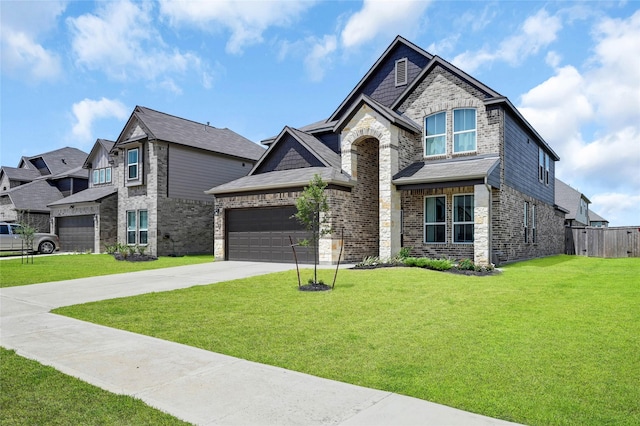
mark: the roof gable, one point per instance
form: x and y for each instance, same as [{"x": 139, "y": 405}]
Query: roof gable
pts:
[
  {"x": 101, "y": 147},
  {"x": 294, "y": 149},
  {"x": 568, "y": 198},
  {"x": 379, "y": 82},
  {"x": 387, "y": 113}
]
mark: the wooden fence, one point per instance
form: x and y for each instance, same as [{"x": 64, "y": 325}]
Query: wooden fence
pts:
[{"x": 603, "y": 242}]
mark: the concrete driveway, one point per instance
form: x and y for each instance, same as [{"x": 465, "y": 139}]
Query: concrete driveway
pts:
[{"x": 195, "y": 385}]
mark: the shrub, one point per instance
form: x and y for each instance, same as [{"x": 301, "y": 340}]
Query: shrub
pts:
[
  {"x": 466, "y": 265},
  {"x": 439, "y": 264},
  {"x": 410, "y": 261}
]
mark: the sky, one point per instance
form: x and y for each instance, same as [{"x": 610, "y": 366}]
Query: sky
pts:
[{"x": 72, "y": 71}]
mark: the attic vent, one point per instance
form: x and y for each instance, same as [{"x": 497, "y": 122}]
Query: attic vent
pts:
[{"x": 401, "y": 72}]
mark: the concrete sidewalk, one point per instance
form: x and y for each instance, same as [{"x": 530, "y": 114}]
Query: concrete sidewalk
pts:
[{"x": 195, "y": 385}]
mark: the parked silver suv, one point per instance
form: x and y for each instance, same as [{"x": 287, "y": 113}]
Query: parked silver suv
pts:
[{"x": 11, "y": 239}]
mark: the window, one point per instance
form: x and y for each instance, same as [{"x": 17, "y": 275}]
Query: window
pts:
[
  {"x": 463, "y": 219},
  {"x": 101, "y": 176},
  {"x": 525, "y": 221},
  {"x": 143, "y": 225},
  {"x": 464, "y": 130},
  {"x": 540, "y": 164},
  {"x": 435, "y": 134},
  {"x": 132, "y": 163},
  {"x": 137, "y": 227},
  {"x": 546, "y": 169},
  {"x": 401, "y": 72},
  {"x": 434, "y": 219},
  {"x": 533, "y": 223},
  {"x": 131, "y": 227}
]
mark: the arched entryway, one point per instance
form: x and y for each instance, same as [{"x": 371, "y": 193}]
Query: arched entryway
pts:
[{"x": 366, "y": 197}]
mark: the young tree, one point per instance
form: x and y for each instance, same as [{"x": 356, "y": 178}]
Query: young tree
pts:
[{"x": 312, "y": 207}]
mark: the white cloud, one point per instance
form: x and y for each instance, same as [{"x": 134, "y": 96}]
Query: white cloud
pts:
[
  {"x": 121, "y": 41},
  {"x": 618, "y": 208},
  {"x": 246, "y": 20},
  {"x": 87, "y": 111},
  {"x": 381, "y": 18},
  {"x": 318, "y": 60},
  {"x": 21, "y": 27},
  {"x": 592, "y": 119},
  {"x": 537, "y": 32}
]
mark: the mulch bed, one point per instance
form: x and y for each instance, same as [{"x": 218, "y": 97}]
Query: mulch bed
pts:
[
  {"x": 134, "y": 257},
  {"x": 453, "y": 270},
  {"x": 315, "y": 287}
]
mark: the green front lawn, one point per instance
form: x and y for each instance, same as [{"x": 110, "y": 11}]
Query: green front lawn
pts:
[
  {"x": 33, "y": 394},
  {"x": 549, "y": 341},
  {"x": 14, "y": 272}
]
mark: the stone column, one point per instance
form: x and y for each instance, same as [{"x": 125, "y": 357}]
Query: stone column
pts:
[
  {"x": 389, "y": 196},
  {"x": 482, "y": 227}
]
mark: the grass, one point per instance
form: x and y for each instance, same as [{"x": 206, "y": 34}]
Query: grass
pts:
[
  {"x": 66, "y": 267},
  {"x": 549, "y": 341},
  {"x": 33, "y": 394}
]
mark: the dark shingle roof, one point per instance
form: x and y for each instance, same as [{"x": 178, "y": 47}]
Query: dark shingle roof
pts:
[
  {"x": 34, "y": 196},
  {"x": 59, "y": 160},
  {"x": 282, "y": 179},
  {"x": 178, "y": 130},
  {"x": 386, "y": 112},
  {"x": 446, "y": 171},
  {"x": 86, "y": 196},
  {"x": 595, "y": 217},
  {"x": 568, "y": 198},
  {"x": 321, "y": 151},
  {"x": 24, "y": 175}
]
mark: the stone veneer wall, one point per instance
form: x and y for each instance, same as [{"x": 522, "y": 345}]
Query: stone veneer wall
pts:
[
  {"x": 508, "y": 227},
  {"x": 413, "y": 235}
]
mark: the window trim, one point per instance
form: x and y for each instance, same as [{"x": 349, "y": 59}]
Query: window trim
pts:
[
  {"x": 425, "y": 223},
  {"x": 533, "y": 223},
  {"x": 474, "y": 131},
  {"x": 546, "y": 168},
  {"x": 435, "y": 135},
  {"x": 136, "y": 230},
  {"x": 525, "y": 222},
  {"x": 540, "y": 164},
  {"x": 470, "y": 222}
]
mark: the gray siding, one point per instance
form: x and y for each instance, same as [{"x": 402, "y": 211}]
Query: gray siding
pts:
[
  {"x": 382, "y": 86},
  {"x": 521, "y": 163},
  {"x": 191, "y": 172},
  {"x": 288, "y": 155}
]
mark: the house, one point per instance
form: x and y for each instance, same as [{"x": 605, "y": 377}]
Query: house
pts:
[
  {"x": 88, "y": 220},
  {"x": 421, "y": 155},
  {"x": 161, "y": 167},
  {"x": 26, "y": 190},
  {"x": 597, "y": 221},
  {"x": 575, "y": 202}
]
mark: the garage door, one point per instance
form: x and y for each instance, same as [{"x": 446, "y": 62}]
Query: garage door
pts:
[
  {"x": 76, "y": 233},
  {"x": 262, "y": 234}
]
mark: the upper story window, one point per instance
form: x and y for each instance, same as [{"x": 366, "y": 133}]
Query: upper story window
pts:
[
  {"x": 463, "y": 221},
  {"x": 435, "y": 134},
  {"x": 526, "y": 222},
  {"x": 464, "y": 130},
  {"x": 102, "y": 176},
  {"x": 543, "y": 166},
  {"x": 401, "y": 72},
  {"x": 133, "y": 156}
]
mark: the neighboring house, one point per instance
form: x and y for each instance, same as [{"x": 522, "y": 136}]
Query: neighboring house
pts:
[
  {"x": 88, "y": 220},
  {"x": 597, "y": 221},
  {"x": 575, "y": 202},
  {"x": 37, "y": 181},
  {"x": 162, "y": 165},
  {"x": 420, "y": 155}
]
